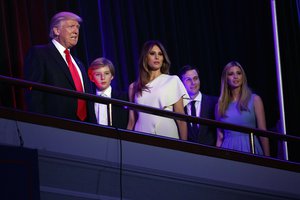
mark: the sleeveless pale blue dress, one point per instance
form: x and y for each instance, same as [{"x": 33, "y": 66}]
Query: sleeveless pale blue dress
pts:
[{"x": 237, "y": 140}]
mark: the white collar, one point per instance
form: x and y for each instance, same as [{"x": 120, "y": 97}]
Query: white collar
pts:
[
  {"x": 59, "y": 47},
  {"x": 198, "y": 97},
  {"x": 106, "y": 92}
]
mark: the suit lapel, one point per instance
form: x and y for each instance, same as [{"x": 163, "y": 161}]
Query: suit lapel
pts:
[
  {"x": 113, "y": 95},
  {"x": 203, "y": 113},
  {"x": 84, "y": 77},
  {"x": 61, "y": 63}
]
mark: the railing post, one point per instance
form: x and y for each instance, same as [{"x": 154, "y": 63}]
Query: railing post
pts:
[
  {"x": 252, "y": 147},
  {"x": 109, "y": 114}
]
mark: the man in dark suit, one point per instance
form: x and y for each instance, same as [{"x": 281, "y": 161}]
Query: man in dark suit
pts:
[
  {"x": 200, "y": 105},
  {"x": 52, "y": 64},
  {"x": 101, "y": 72}
]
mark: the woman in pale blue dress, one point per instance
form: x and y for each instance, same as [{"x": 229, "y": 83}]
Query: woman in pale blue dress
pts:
[
  {"x": 156, "y": 88},
  {"x": 238, "y": 105}
]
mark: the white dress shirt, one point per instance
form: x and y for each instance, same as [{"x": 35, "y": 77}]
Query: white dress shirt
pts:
[
  {"x": 61, "y": 50},
  {"x": 198, "y": 100},
  {"x": 101, "y": 109}
]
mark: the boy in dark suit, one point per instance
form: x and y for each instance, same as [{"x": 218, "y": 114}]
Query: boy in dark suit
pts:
[
  {"x": 101, "y": 72},
  {"x": 200, "y": 105}
]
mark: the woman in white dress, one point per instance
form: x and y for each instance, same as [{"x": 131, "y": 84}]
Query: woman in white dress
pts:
[{"x": 156, "y": 88}]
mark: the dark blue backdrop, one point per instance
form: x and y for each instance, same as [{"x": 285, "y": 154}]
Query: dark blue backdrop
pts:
[{"x": 205, "y": 33}]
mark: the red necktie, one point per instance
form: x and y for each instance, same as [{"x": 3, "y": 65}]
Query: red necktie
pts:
[{"x": 81, "y": 106}]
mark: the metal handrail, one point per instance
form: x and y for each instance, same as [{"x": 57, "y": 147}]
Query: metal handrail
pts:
[{"x": 129, "y": 105}]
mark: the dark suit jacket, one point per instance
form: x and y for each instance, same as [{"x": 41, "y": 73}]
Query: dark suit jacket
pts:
[
  {"x": 44, "y": 64},
  {"x": 206, "y": 134},
  {"x": 119, "y": 114}
]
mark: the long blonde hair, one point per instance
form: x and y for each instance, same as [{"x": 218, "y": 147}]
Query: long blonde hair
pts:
[
  {"x": 226, "y": 96},
  {"x": 144, "y": 72}
]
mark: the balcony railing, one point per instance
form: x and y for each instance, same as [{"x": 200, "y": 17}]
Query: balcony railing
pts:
[
  {"x": 173, "y": 143},
  {"x": 73, "y": 154}
]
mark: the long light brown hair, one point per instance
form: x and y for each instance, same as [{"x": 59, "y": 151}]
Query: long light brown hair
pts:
[
  {"x": 144, "y": 72},
  {"x": 226, "y": 95}
]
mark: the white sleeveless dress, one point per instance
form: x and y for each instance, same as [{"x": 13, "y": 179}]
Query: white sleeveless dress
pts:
[{"x": 164, "y": 91}]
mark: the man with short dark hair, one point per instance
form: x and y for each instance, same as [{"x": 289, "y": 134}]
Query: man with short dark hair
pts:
[{"x": 200, "y": 105}]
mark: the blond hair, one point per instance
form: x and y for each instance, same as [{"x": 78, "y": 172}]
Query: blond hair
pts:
[{"x": 225, "y": 94}]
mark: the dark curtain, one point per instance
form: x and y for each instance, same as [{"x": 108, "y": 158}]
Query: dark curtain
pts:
[{"x": 205, "y": 33}]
